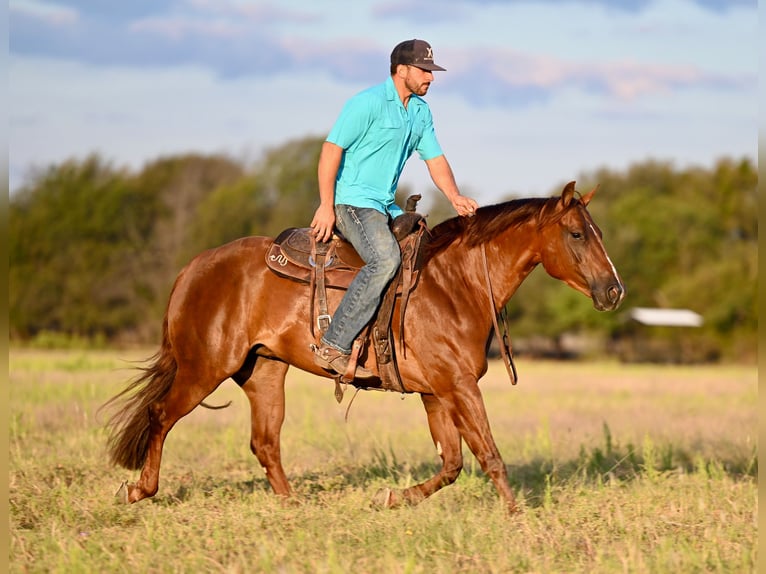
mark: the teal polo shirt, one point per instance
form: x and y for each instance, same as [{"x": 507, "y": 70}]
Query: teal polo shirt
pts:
[{"x": 378, "y": 136}]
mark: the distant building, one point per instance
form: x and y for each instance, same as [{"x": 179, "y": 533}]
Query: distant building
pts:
[
  {"x": 653, "y": 335},
  {"x": 666, "y": 317}
]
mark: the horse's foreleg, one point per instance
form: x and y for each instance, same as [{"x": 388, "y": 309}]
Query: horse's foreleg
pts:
[
  {"x": 184, "y": 395},
  {"x": 448, "y": 445},
  {"x": 466, "y": 407},
  {"x": 266, "y": 391}
]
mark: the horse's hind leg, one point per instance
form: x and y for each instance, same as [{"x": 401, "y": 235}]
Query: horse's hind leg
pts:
[
  {"x": 266, "y": 391},
  {"x": 184, "y": 395},
  {"x": 448, "y": 444}
]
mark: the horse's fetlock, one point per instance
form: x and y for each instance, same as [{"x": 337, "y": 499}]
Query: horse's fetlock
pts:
[
  {"x": 135, "y": 493},
  {"x": 450, "y": 474},
  {"x": 411, "y": 496}
]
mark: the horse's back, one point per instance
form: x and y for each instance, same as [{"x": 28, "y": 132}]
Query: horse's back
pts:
[{"x": 235, "y": 252}]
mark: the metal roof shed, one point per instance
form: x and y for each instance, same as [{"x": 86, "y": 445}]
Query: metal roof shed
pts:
[{"x": 666, "y": 317}]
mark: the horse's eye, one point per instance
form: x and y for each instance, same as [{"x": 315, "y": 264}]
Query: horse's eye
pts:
[{"x": 576, "y": 235}]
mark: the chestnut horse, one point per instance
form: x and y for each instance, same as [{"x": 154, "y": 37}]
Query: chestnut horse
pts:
[{"x": 229, "y": 316}]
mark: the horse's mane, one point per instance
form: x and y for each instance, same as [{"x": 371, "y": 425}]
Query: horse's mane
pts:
[{"x": 488, "y": 222}]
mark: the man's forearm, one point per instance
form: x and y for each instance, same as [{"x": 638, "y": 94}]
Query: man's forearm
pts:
[{"x": 442, "y": 176}]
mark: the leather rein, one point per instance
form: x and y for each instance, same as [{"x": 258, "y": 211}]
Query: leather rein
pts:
[{"x": 503, "y": 337}]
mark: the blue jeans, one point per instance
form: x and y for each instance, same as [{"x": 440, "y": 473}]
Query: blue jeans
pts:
[{"x": 368, "y": 231}]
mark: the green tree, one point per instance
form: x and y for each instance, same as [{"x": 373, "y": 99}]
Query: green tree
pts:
[
  {"x": 289, "y": 177},
  {"x": 182, "y": 183},
  {"x": 179, "y": 185},
  {"x": 277, "y": 193},
  {"x": 95, "y": 249},
  {"x": 72, "y": 234},
  {"x": 231, "y": 211}
]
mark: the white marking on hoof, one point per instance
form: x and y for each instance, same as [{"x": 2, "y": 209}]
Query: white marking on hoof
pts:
[
  {"x": 382, "y": 498},
  {"x": 122, "y": 493}
]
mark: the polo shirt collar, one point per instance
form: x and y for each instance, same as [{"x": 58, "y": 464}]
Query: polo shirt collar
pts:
[
  {"x": 391, "y": 93},
  {"x": 393, "y": 96}
]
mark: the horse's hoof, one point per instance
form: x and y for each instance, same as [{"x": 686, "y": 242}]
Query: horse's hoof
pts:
[
  {"x": 384, "y": 498},
  {"x": 122, "y": 493},
  {"x": 290, "y": 501}
]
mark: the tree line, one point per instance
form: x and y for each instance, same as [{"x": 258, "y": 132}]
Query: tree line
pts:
[{"x": 94, "y": 248}]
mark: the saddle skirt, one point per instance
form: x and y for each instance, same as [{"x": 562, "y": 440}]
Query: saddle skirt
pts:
[{"x": 294, "y": 255}]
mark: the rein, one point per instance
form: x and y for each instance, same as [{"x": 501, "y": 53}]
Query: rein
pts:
[{"x": 503, "y": 337}]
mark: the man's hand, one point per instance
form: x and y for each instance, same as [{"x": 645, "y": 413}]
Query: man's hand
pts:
[
  {"x": 465, "y": 205},
  {"x": 323, "y": 223}
]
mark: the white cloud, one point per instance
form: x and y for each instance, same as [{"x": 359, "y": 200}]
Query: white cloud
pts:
[
  {"x": 505, "y": 72},
  {"x": 533, "y": 92}
]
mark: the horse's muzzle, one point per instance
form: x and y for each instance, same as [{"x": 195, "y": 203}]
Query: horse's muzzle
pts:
[{"x": 609, "y": 298}]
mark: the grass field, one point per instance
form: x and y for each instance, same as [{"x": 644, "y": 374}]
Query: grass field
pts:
[{"x": 618, "y": 469}]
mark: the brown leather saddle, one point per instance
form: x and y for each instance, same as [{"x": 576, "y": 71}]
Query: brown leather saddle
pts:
[
  {"x": 297, "y": 256},
  {"x": 294, "y": 253}
]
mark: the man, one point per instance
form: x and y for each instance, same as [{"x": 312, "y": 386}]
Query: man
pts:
[{"x": 358, "y": 172}]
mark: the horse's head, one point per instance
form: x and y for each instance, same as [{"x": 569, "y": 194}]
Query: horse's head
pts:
[{"x": 573, "y": 252}]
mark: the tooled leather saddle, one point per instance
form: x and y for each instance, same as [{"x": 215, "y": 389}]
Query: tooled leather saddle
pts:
[{"x": 296, "y": 255}]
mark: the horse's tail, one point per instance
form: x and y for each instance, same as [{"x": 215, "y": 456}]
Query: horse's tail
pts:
[{"x": 129, "y": 428}]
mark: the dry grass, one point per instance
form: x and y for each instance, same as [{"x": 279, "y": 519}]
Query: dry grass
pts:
[{"x": 619, "y": 469}]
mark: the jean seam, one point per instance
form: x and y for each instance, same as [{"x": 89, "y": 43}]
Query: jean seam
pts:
[{"x": 370, "y": 246}]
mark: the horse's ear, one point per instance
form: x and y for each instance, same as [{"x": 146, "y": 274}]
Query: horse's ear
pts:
[
  {"x": 567, "y": 194},
  {"x": 588, "y": 196}
]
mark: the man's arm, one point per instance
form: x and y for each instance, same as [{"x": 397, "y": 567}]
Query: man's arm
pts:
[
  {"x": 327, "y": 171},
  {"x": 444, "y": 179}
]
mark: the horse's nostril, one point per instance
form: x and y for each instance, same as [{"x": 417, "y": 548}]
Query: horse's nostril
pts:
[{"x": 613, "y": 293}]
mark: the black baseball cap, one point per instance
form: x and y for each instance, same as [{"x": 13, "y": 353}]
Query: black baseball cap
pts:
[{"x": 416, "y": 53}]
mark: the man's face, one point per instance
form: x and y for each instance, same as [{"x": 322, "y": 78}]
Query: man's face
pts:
[{"x": 418, "y": 80}]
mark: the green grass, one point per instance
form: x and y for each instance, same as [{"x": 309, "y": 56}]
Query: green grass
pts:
[{"x": 618, "y": 469}]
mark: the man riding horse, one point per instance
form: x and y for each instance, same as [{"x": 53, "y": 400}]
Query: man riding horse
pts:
[{"x": 359, "y": 168}]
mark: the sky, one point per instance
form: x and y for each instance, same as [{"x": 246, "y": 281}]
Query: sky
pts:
[{"x": 536, "y": 92}]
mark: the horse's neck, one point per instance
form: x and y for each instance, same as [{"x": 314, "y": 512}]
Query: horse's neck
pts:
[{"x": 510, "y": 258}]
